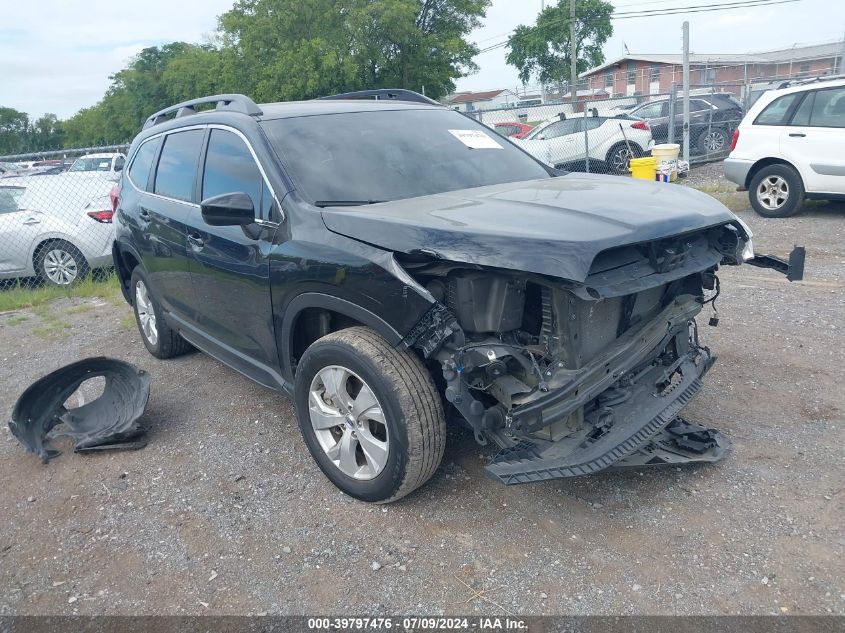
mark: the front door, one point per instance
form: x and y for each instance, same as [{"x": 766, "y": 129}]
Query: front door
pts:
[
  {"x": 230, "y": 266},
  {"x": 18, "y": 230}
]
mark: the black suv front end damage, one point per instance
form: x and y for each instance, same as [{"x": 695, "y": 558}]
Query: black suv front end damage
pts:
[{"x": 572, "y": 378}]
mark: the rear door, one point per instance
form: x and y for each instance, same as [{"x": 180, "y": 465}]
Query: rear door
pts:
[
  {"x": 230, "y": 267},
  {"x": 162, "y": 217},
  {"x": 814, "y": 140}
]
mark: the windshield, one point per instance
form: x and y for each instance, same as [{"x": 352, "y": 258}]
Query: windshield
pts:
[
  {"x": 91, "y": 164},
  {"x": 394, "y": 154}
]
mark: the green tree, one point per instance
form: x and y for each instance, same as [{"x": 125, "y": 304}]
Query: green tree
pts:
[
  {"x": 14, "y": 126},
  {"x": 543, "y": 50},
  {"x": 45, "y": 133},
  {"x": 278, "y": 50}
]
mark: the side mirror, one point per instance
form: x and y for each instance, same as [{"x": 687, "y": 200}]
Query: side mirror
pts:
[{"x": 228, "y": 209}]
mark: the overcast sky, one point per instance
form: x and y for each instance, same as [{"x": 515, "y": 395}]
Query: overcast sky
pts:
[{"x": 56, "y": 56}]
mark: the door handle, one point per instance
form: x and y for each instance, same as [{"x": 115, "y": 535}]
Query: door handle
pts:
[
  {"x": 797, "y": 134},
  {"x": 196, "y": 240},
  {"x": 30, "y": 221},
  {"x": 144, "y": 213}
]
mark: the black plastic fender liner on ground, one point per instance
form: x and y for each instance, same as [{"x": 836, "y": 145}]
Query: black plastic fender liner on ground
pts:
[{"x": 108, "y": 422}]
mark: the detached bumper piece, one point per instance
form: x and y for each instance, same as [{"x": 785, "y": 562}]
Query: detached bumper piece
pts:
[
  {"x": 793, "y": 269},
  {"x": 681, "y": 442},
  {"x": 107, "y": 422},
  {"x": 645, "y": 426}
]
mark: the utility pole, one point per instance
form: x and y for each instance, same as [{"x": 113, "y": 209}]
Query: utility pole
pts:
[
  {"x": 573, "y": 53},
  {"x": 842, "y": 58},
  {"x": 686, "y": 92}
]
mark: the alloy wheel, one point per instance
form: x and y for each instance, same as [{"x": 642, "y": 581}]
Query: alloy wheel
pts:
[
  {"x": 773, "y": 192},
  {"x": 620, "y": 160},
  {"x": 349, "y": 422},
  {"x": 60, "y": 267},
  {"x": 714, "y": 142},
  {"x": 146, "y": 313}
]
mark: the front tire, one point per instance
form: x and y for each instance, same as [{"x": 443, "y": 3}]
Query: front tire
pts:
[
  {"x": 369, "y": 414},
  {"x": 60, "y": 263},
  {"x": 776, "y": 191},
  {"x": 160, "y": 339}
]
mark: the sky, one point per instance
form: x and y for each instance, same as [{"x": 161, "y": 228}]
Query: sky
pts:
[{"x": 56, "y": 55}]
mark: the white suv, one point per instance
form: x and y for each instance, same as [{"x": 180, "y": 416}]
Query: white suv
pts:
[
  {"x": 791, "y": 146},
  {"x": 612, "y": 140}
]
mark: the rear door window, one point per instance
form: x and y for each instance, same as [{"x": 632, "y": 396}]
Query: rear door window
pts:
[
  {"x": 10, "y": 199},
  {"x": 177, "y": 166},
  {"x": 139, "y": 170},
  {"x": 777, "y": 112},
  {"x": 652, "y": 110},
  {"x": 230, "y": 168}
]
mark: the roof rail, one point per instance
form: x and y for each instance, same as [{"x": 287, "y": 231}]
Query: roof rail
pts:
[
  {"x": 396, "y": 94},
  {"x": 229, "y": 102}
]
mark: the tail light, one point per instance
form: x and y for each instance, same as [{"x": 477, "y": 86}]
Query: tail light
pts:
[
  {"x": 104, "y": 216},
  {"x": 640, "y": 125},
  {"x": 735, "y": 139},
  {"x": 113, "y": 196}
]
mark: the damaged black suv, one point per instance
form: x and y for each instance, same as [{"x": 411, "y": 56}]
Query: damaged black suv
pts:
[{"x": 391, "y": 263}]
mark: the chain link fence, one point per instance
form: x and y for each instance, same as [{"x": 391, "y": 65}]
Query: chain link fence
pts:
[
  {"x": 56, "y": 215},
  {"x": 601, "y": 135}
]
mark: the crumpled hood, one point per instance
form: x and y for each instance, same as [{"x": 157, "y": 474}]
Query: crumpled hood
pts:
[{"x": 553, "y": 226}]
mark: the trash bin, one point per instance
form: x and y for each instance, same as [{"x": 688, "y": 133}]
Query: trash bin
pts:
[
  {"x": 643, "y": 168},
  {"x": 666, "y": 155}
]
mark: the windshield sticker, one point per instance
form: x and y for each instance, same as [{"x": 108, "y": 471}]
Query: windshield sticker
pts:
[{"x": 475, "y": 139}]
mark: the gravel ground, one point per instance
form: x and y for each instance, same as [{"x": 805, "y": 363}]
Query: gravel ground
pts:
[{"x": 225, "y": 513}]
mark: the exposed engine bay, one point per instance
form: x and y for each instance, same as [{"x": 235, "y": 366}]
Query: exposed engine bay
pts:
[{"x": 571, "y": 378}]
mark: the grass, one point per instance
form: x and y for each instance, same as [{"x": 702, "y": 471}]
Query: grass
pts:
[
  {"x": 127, "y": 321},
  {"x": 18, "y": 296},
  {"x": 17, "y": 320}
]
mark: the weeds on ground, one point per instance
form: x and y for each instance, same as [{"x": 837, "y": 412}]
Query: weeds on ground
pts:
[{"x": 17, "y": 296}]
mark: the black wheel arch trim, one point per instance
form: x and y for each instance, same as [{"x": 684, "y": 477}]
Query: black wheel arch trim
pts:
[
  {"x": 329, "y": 302},
  {"x": 118, "y": 251},
  {"x": 769, "y": 162}
]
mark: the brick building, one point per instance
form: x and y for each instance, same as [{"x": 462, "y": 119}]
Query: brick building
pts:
[{"x": 653, "y": 74}]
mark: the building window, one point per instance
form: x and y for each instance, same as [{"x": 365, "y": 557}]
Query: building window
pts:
[
  {"x": 608, "y": 79},
  {"x": 632, "y": 73},
  {"x": 805, "y": 68},
  {"x": 655, "y": 73}
]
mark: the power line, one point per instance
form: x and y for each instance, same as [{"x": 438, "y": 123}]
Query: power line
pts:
[{"x": 645, "y": 13}]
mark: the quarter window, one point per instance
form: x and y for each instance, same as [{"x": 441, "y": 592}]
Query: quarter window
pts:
[
  {"x": 230, "y": 168},
  {"x": 829, "y": 108},
  {"x": 776, "y": 112},
  {"x": 177, "y": 166},
  {"x": 139, "y": 170}
]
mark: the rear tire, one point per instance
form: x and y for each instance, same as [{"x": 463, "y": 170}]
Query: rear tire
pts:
[
  {"x": 713, "y": 142},
  {"x": 369, "y": 414},
  {"x": 60, "y": 263},
  {"x": 619, "y": 157},
  {"x": 776, "y": 191},
  {"x": 159, "y": 338}
]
